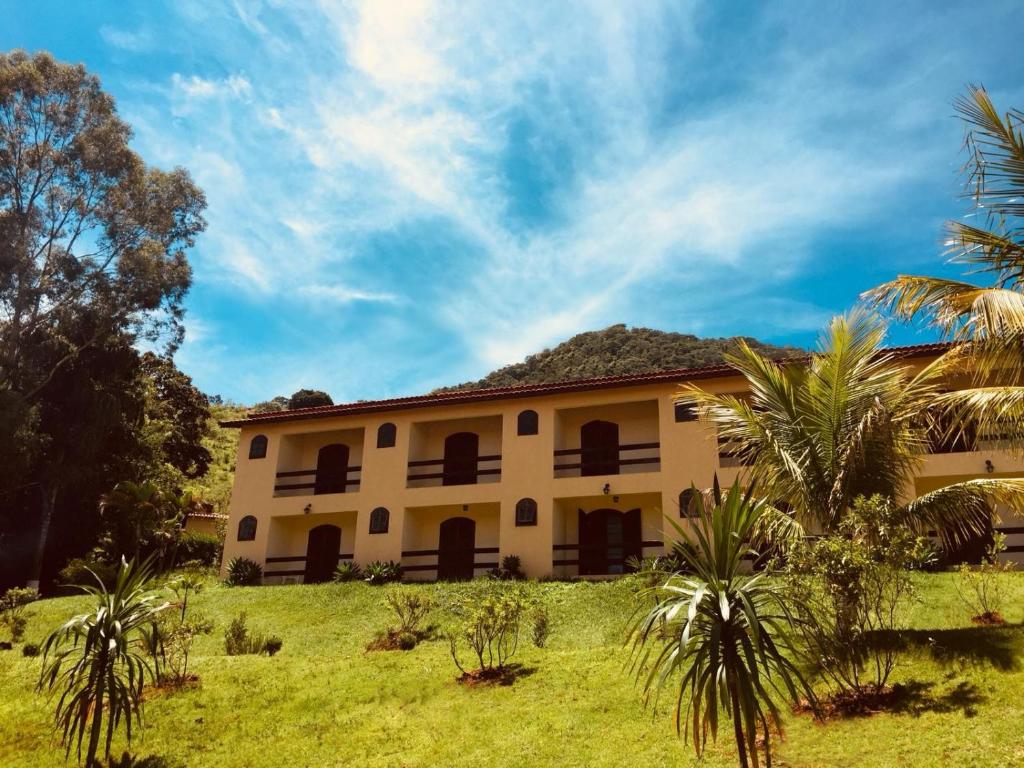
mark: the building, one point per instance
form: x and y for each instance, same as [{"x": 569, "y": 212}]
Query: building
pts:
[{"x": 574, "y": 478}]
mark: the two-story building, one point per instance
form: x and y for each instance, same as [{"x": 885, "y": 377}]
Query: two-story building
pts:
[{"x": 574, "y": 478}]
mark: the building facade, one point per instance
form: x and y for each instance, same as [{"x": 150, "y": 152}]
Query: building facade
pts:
[{"x": 574, "y": 478}]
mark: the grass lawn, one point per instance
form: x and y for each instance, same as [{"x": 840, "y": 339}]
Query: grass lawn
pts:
[{"x": 324, "y": 701}]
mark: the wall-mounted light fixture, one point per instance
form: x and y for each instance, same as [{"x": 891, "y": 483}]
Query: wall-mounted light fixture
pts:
[
  {"x": 989, "y": 467},
  {"x": 465, "y": 507},
  {"x": 607, "y": 489},
  {"x": 308, "y": 508}
]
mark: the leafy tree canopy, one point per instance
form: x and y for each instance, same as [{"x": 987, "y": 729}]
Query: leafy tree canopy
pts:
[{"x": 309, "y": 398}]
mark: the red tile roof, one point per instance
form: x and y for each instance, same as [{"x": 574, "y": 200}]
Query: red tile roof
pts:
[{"x": 527, "y": 390}]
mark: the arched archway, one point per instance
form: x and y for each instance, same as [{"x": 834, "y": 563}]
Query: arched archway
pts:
[
  {"x": 322, "y": 548},
  {"x": 456, "y": 549}
]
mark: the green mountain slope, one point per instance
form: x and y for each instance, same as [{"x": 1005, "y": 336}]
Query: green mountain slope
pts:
[{"x": 616, "y": 351}]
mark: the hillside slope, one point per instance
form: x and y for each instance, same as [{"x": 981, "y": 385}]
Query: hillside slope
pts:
[{"x": 615, "y": 351}]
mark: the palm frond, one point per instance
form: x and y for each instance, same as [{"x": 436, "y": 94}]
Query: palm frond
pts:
[
  {"x": 963, "y": 510},
  {"x": 995, "y": 144}
]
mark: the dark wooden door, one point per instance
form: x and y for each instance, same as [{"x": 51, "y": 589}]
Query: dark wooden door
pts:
[
  {"x": 461, "y": 452},
  {"x": 331, "y": 469},
  {"x": 607, "y": 539},
  {"x": 599, "y": 444},
  {"x": 456, "y": 549},
  {"x": 322, "y": 548}
]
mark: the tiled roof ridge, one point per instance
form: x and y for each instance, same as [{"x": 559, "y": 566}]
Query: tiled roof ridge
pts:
[{"x": 523, "y": 390}]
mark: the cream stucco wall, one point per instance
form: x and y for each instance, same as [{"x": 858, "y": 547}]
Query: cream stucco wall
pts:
[{"x": 688, "y": 455}]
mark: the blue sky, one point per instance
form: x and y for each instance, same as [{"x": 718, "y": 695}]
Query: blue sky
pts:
[{"x": 409, "y": 194}]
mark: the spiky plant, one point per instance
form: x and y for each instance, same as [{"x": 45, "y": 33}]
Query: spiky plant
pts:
[
  {"x": 96, "y": 663},
  {"x": 720, "y": 635}
]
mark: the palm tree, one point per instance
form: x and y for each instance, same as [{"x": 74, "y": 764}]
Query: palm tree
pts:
[
  {"x": 852, "y": 421},
  {"x": 94, "y": 662},
  {"x": 986, "y": 320},
  {"x": 723, "y": 632}
]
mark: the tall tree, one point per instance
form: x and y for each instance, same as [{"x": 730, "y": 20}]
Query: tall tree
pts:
[
  {"x": 92, "y": 249},
  {"x": 853, "y": 421},
  {"x": 987, "y": 320}
]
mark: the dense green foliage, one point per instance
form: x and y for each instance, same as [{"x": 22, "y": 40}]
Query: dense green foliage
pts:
[
  {"x": 243, "y": 572},
  {"x": 617, "y": 351},
  {"x": 333, "y": 703},
  {"x": 92, "y": 265}
]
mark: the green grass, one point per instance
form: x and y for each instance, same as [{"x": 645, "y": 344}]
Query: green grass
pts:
[{"x": 324, "y": 701}]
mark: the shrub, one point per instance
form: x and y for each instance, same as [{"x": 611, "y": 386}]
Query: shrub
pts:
[
  {"x": 488, "y": 619},
  {"x": 239, "y": 641},
  {"x": 379, "y": 572},
  {"x": 854, "y": 589},
  {"x": 83, "y": 572},
  {"x": 981, "y": 587},
  {"x": 201, "y": 548},
  {"x": 407, "y": 641},
  {"x": 511, "y": 569},
  {"x": 30, "y": 650},
  {"x": 410, "y": 607},
  {"x": 347, "y": 570},
  {"x": 272, "y": 645},
  {"x": 541, "y": 626},
  {"x": 12, "y": 610},
  {"x": 243, "y": 572}
]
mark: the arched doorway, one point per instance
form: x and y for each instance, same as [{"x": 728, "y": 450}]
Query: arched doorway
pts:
[
  {"x": 607, "y": 538},
  {"x": 322, "y": 548},
  {"x": 331, "y": 469},
  {"x": 456, "y": 549},
  {"x": 461, "y": 452},
  {"x": 599, "y": 444}
]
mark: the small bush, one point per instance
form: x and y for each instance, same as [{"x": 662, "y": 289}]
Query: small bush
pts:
[
  {"x": 541, "y": 626},
  {"x": 30, "y": 649},
  {"x": 12, "y": 610},
  {"x": 379, "y": 572},
  {"x": 202, "y": 548},
  {"x": 410, "y": 607},
  {"x": 981, "y": 587},
  {"x": 347, "y": 571},
  {"x": 511, "y": 569},
  {"x": 243, "y": 572},
  {"x": 407, "y": 641},
  {"x": 239, "y": 641},
  {"x": 488, "y": 619},
  {"x": 77, "y": 572}
]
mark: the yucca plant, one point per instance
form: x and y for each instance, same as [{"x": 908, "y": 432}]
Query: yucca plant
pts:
[
  {"x": 720, "y": 635},
  {"x": 96, "y": 662}
]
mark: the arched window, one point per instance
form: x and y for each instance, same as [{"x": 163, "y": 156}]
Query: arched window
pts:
[
  {"x": 258, "y": 447},
  {"x": 379, "y": 519},
  {"x": 687, "y": 503},
  {"x": 247, "y": 528},
  {"x": 526, "y": 512},
  {"x": 386, "y": 435},
  {"x": 528, "y": 423}
]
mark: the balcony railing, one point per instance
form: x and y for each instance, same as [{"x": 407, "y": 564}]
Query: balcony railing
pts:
[
  {"x": 301, "y": 559},
  {"x": 569, "y": 554},
  {"x": 593, "y": 463},
  {"x": 467, "y": 473},
  {"x": 433, "y": 554},
  {"x": 303, "y": 482}
]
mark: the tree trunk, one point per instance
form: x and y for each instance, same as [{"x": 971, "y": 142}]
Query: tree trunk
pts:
[
  {"x": 737, "y": 724},
  {"x": 47, "y": 501},
  {"x": 97, "y": 715}
]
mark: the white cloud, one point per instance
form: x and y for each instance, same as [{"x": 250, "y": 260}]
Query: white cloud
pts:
[
  {"x": 195, "y": 87},
  {"x": 340, "y": 294},
  {"x": 136, "y": 41}
]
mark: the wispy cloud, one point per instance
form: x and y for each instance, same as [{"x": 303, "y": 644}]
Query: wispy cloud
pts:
[
  {"x": 136, "y": 41},
  {"x": 473, "y": 183}
]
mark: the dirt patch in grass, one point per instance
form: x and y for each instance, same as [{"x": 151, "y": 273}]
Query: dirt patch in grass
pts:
[
  {"x": 166, "y": 687},
  {"x": 989, "y": 619},
  {"x": 396, "y": 640},
  {"x": 495, "y": 676},
  {"x": 860, "y": 702}
]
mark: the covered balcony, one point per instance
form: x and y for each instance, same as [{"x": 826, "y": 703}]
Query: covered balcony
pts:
[
  {"x": 455, "y": 452},
  {"x": 319, "y": 463},
  {"x": 607, "y": 440},
  {"x": 606, "y": 535},
  {"x": 308, "y": 547},
  {"x": 450, "y": 542}
]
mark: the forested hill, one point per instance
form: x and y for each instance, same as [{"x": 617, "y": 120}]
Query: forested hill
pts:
[{"x": 616, "y": 351}]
